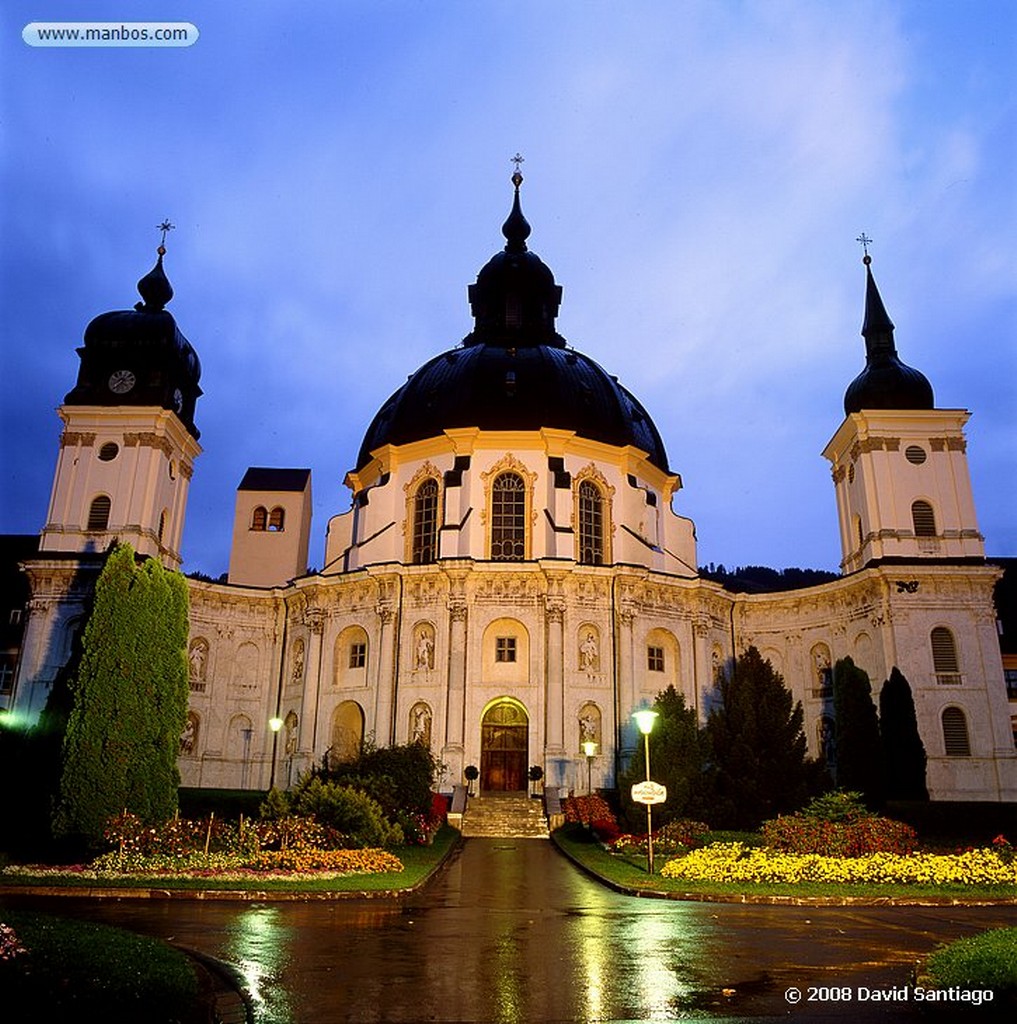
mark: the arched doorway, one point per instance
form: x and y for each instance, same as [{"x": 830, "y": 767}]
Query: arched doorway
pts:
[{"x": 504, "y": 745}]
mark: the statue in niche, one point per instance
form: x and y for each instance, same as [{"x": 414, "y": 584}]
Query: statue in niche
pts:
[
  {"x": 824, "y": 674},
  {"x": 197, "y": 660},
  {"x": 589, "y": 652},
  {"x": 290, "y": 725},
  {"x": 589, "y": 724},
  {"x": 189, "y": 737},
  {"x": 298, "y": 661},
  {"x": 425, "y": 650},
  {"x": 420, "y": 725}
]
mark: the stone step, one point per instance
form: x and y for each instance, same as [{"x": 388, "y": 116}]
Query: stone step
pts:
[{"x": 508, "y": 817}]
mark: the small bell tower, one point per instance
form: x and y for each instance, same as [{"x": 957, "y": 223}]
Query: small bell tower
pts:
[
  {"x": 899, "y": 465},
  {"x": 129, "y": 442}
]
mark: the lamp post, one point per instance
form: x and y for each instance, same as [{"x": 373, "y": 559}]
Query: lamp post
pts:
[
  {"x": 590, "y": 750},
  {"x": 275, "y": 724},
  {"x": 645, "y": 720}
]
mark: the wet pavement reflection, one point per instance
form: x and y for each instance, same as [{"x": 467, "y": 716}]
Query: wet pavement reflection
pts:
[{"x": 511, "y": 931}]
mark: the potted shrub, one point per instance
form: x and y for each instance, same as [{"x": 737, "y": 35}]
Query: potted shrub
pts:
[
  {"x": 472, "y": 773},
  {"x": 536, "y": 773}
]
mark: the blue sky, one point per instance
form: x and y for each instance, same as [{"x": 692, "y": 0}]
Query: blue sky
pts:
[{"x": 696, "y": 176}]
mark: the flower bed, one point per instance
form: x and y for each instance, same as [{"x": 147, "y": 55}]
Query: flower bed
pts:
[
  {"x": 735, "y": 862},
  {"x": 675, "y": 837}
]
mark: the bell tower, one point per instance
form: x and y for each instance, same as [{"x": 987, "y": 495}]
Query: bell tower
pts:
[
  {"x": 129, "y": 442},
  {"x": 900, "y": 468}
]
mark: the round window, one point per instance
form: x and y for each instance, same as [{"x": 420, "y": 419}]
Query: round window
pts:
[
  {"x": 109, "y": 451},
  {"x": 915, "y": 454}
]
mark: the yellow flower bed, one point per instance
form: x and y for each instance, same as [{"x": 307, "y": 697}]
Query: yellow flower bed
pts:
[
  {"x": 345, "y": 862},
  {"x": 734, "y": 862}
]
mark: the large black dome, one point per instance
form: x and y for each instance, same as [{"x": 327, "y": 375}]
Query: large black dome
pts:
[
  {"x": 513, "y": 371},
  {"x": 494, "y": 387}
]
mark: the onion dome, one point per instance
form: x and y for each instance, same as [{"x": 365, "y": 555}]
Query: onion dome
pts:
[
  {"x": 513, "y": 371},
  {"x": 886, "y": 382},
  {"x": 140, "y": 356}
]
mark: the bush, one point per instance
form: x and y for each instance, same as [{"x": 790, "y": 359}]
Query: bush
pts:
[
  {"x": 854, "y": 838},
  {"x": 840, "y": 805},
  {"x": 588, "y": 809},
  {"x": 350, "y": 812}
]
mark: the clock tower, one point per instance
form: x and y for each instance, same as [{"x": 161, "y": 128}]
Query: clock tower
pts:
[{"x": 129, "y": 441}]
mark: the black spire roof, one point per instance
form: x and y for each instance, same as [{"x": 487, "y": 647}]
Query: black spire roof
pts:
[
  {"x": 514, "y": 371},
  {"x": 139, "y": 356},
  {"x": 886, "y": 382}
]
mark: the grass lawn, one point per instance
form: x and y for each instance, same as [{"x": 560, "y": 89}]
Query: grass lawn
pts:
[
  {"x": 79, "y": 970},
  {"x": 630, "y": 872},
  {"x": 988, "y": 960},
  {"x": 418, "y": 863}
]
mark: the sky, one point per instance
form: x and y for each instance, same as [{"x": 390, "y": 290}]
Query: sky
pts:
[{"x": 696, "y": 176}]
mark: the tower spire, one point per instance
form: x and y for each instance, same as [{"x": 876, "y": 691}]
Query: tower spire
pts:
[{"x": 516, "y": 228}]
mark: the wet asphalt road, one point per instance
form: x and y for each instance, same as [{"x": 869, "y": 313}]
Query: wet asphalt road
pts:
[{"x": 511, "y": 931}]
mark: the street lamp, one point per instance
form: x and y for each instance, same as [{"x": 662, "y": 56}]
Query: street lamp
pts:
[
  {"x": 645, "y": 719},
  {"x": 590, "y": 750},
  {"x": 275, "y": 724}
]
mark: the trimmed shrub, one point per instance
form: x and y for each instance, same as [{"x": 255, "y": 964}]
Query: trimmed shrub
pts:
[
  {"x": 857, "y": 837},
  {"x": 350, "y": 812}
]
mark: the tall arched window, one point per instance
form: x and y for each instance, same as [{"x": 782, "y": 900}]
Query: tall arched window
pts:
[
  {"x": 425, "y": 523},
  {"x": 591, "y": 524},
  {"x": 924, "y": 519},
  {"x": 955, "y": 733},
  {"x": 508, "y": 518},
  {"x": 276, "y": 519},
  {"x": 98, "y": 512},
  {"x": 162, "y": 525},
  {"x": 259, "y": 518},
  {"x": 944, "y": 657}
]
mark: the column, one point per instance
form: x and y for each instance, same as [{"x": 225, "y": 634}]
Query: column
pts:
[
  {"x": 384, "y": 721},
  {"x": 554, "y": 697}
]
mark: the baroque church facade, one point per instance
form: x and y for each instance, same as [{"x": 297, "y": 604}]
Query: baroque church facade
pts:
[{"x": 512, "y": 578}]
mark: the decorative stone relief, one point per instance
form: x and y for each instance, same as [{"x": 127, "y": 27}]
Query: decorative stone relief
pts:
[{"x": 589, "y": 723}]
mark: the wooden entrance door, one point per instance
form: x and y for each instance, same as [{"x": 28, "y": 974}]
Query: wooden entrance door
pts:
[{"x": 504, "y": 745}]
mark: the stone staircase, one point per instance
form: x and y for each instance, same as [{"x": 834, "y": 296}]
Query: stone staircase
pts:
[{"x": 505, "y": 816}]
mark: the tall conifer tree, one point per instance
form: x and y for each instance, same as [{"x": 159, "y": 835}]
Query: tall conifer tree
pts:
[
  {"x": 129, "y": 700},
  {"x": 904, "y": 758},
  {"x": 676, "y": 761},
  {"x": 757, "y": 744},
  {"x": 859, "y": 760}
]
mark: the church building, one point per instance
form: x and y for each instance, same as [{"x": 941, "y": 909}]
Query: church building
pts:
[{"x": 513, "y": 577}]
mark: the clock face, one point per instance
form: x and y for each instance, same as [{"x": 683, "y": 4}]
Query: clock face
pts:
[
  {"x": 121, "y": 382},
  {"x": 178, "y": 399}
]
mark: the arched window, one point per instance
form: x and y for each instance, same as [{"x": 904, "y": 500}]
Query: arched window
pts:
[
  {"x": 425, "y": 523},
  {"x": 276, "y": 519},
  {"x": 955, "y": 733},
  {"x": 162, "y": 525},
  {"x": 924, "y": 519},
  {"x": 508, "y": 518},
  {"x": 591, "y": 524},
  {"x": 98, "y": 512},
  {"x": 259, "y": 518},
  {"x": 944, "y": 657}
]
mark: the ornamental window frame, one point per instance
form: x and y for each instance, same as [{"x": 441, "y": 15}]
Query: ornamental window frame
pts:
[
  {"x": 509, "y": 464},
  {"x": 591, "y": 477},
  {"x": 414, "y": 544}
]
